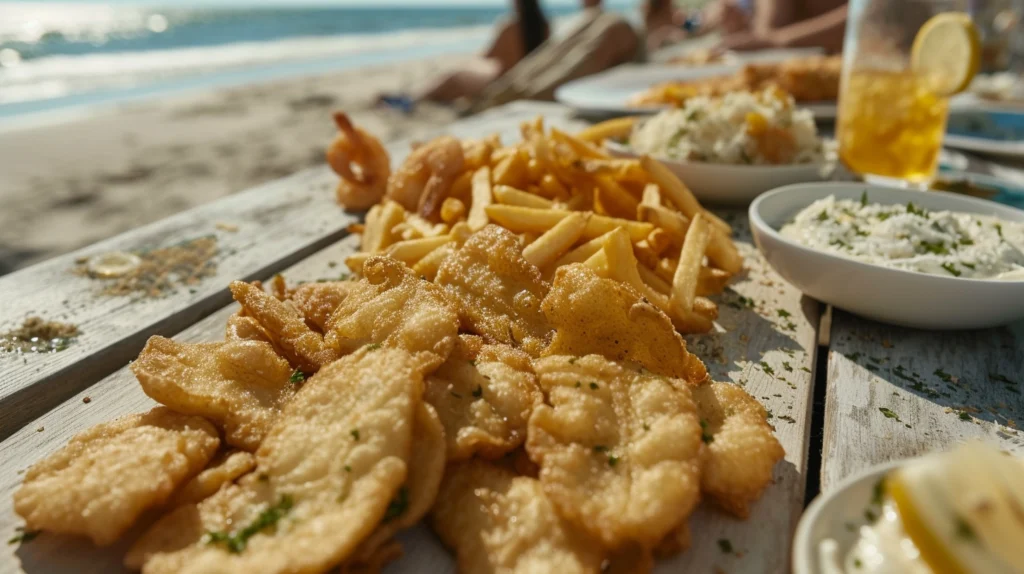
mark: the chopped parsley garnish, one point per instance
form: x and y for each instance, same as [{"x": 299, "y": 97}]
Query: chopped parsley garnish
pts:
[
  {"x": 943, "y": 375},
  {"x": 236, "y": 543},
  {"x": 263, "y": 477},
  {"x": 999, "y": 229},
  {"x": 354, "y": 433},
  {"x": 725, "y": 545},
  {"x": 577, "y": 384},
  {"x": 348, "y": 468},
  {"x": 936, "y": 247},
  {"x": 970, "y": 266},
  {"x": 787, "y": 366},
  {"x": 478, "y": 392},
  {"x": 884, "y": 215},
  {"x": 766, "y": 368},
  {"x": 823, "y": 216},
  {"x": 864, "y": 198},
  {"x": 860, "y": 232},
  {"x": 878, "y": 492},
  {"x": 704, "y": 436},
  {"x": 600, "y": 448},
  {"x": 456, "y": 395},
  {"x": 23, "y": 536},
  {"x": 593, "y": 386},
  {"x": 965, "y": 416},
  {"x": 857, "y": 563},
  {"x": 647, "y": 426},
  {"x": 840, "y": 243},
  {"x": 966, "y": 241},
  {"x": 572, "y": 361},
  {"x": 372, "y": 346},
  {"x": 952, "y": 270},
  {"x": 889, "y": 414},
  {"x": 613, "y": 460},
  {"x": 914, "y": 210},
  {"x": 297, "y": 377},
  {"x": 398, "y": 505},
  {"x": 964, "y": 530},
  {"x": 784, "y": 313},
  {"x": 472, "y": 363}
]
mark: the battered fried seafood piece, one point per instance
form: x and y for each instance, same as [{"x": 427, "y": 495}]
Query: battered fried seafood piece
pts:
[
  {"x": 239, "y": 385},
  {"x": 619, "y": 449},
  {"x": 103, "y": 480},
  {"x": 224, "y": 468},
  {"x": 303, "y": 347},
  {"x": 426, "y": 469},
  {"x": 318, "y": 301},
  {"x": 499, "y": 292},
  {"x": 741, "y": 450},
  {"x": 484, "y": 398},
  {"x": 606, "y": 317},
  {"x": 394, "y": 308},
  {"x": 422, "y": 182},
  {"x": 498, "y": 522},
  {"x": 241, "y": 327},
  {"x": 327, "y": 474},
  {"x": 361, "y": 161}
]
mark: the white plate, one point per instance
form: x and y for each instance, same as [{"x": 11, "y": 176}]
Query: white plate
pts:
[
  {"x": 725, "y": 184},
  {"x": 609, "y": 92},
  {"x": 985, "y": 145},
  {"x": 830, "y": 516},
  {"x": 888, "y": 295}
]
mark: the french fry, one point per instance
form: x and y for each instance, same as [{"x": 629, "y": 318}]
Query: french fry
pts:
[
  {"x": 659, "y": 240},
  {"x": 359, "y": 228},
  {"x": 611, "y": 199},
  {"x": 580, "y": 147},
  {"x": 462, "y": 187},
  {"x": 501, "y": 154},
  {"x": 644, "y": 254},
  {"x": 712, "y": 281},
  {"x": 691, "y": 257},
  {"x": 411, "y": 251},
  {"x": 481, "y": 191},
  {"x": 651, "y": 195},
  {"x": 552, "y": 188},
  {"x": 557, "y": 240},
  {"x": 519, "y": 219},
  {"x": 453, "y": 210},
  {"x": 620, "y": 170},
  {"x": 534, "y": 169},
  {"x": 371, "y": 228},
  {"x": 355, "y": 262},
  {"x": 666, "y": 268},
  {"x": 583, "y": 252},
  {"x": 609, "y": 129},
  {"x": 678, "y": 193},
  {"x": 512, "y": 196},
  {"x": 581, "y": 200},
  {"x": 692, "y": 323},
  {"x": 460, "y": 232},
  {"x": 622, "y": 266},
  {"x": 380, "y": 231},
  {"x": 427, "y": 266},
  {"x": 404, "y": 232},
  {"x": 476, "y": 154},
  {"x": 511, "y": 171},
  {"x": 426, "y": 228},
  {"x": 668, "y": 220},
  {"x": 722, "y": 252},
  {"x": 653, "y": 281},
  {"x": 705, "y": 308},
  {"x": 598, "y": 263}
]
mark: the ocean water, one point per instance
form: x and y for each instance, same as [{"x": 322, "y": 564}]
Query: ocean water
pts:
[{"x": 54, "y": 55}]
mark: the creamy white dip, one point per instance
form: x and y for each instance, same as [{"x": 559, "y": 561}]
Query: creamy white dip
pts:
[
  {"x": 883, "y": 548},
  {"x": 909, "y": 237}
]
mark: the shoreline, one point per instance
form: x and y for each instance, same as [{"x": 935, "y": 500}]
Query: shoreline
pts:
[{"x": 66, "y": 184}]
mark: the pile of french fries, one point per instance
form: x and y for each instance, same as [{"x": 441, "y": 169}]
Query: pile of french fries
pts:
[{"x": 570, "y": 202}]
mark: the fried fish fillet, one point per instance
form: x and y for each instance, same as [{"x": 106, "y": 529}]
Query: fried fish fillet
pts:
[
  {"x": 619, "y": 449},
  {"x": 239, "y": 385},
  {"x": 318, "y": 301},
  {"x": 105, "y": 477},
  {"x": 603, "y": 316},
  {"x": 499, "y": 292},
  {"x": 498, "y": 522},
  {"x": 426, "y": 469},
  {"x": 394, "y": 308},
  {"x": 484, "y": 398},
  {"x": 326, "y": 475},
  {"x": 741, "y": 450},
  {"x": 224, "y": 468},
  {"x": 241, "y": 327},
  {"x": 302, "y": 346}
]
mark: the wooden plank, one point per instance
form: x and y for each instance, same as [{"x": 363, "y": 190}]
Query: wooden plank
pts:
[
  {"x": 766, "y": 342},
  {"x": 278, "y": 224},
  {"x": 894, "y": 393}
]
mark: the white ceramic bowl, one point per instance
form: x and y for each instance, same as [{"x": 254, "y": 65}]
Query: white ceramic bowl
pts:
[
  {"x": 888, "y": 295},
  {"x": 830, "y": 516},
  {"x": 725, "y": 184}
]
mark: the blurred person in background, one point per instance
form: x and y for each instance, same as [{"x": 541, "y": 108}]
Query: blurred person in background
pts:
[
  {"x": 787, "y": 24},
  {"x": 515, "y": 38}
]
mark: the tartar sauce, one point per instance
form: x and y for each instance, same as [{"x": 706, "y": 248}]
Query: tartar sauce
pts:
[{"x": 911, "y": 238}]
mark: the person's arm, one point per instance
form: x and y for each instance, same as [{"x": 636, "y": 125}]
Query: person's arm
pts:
[{"x": 824, "y": 31}]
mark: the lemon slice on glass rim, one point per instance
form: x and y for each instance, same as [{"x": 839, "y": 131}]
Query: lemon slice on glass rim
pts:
[{"x": 947, "y": 52}]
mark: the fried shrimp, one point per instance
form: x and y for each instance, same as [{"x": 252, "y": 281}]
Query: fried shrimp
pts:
[
  {"x": 362, "y": 162},
  {"x": 422, "y": 182}
]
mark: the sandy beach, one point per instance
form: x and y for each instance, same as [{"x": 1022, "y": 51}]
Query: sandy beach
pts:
[{"x": 70, "y": 184}]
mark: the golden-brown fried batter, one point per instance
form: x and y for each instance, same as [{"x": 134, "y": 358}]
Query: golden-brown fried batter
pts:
[
  {"x": 303, "y": 347},
  {"x": 603, "y": 316},
  {"x": 224, "y": 468},
  {"x": 241, "y": 327},
  {"x": 499, "y": 292},
  {"x": 498, "y": 522},
  {"x": 398, "y": 310},
  {"x": 105, "y": 477},
  {"x": 619, "y": 448},
  {"x": 239, "y": 385},
  {"x": 326, "y": 475},
  {"x": 741, "y": 450},
  {"x": 484, "y": 398},
  {"x": 318, "y": 301}
]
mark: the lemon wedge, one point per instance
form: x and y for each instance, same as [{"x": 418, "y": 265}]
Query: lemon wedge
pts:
[
  {"x": 947, "y": 52},
  {"x": 933, "y": 551}
]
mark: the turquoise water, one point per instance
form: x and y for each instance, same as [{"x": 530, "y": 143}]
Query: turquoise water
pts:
[{"x": 55, "y": 55}]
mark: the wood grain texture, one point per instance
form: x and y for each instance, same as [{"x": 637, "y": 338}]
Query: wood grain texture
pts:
[
  {"x": 278, "y": 224},
  {"x": 895, "y": 393},
  {"x": 765, "y": 340}
]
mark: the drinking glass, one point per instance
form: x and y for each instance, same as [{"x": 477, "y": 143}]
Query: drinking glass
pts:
[{"x": 891, "y": 122}]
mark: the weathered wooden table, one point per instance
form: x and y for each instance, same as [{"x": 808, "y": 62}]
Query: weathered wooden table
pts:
[{"x": 844, "y": 393}]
